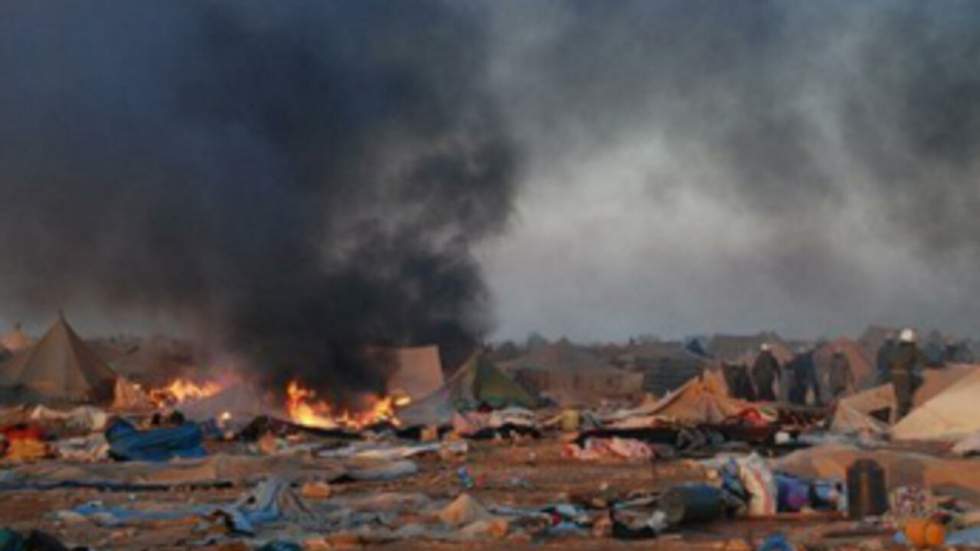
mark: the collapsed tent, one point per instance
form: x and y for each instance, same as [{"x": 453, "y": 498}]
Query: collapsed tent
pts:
[
  {"x": 477, "y": 382},
  {"x": 873, "y": 410},
  {"x": 957, "y": 477},
  {"x": 418, "y": 371},
  {"x": 60, "y": 368},
  {"x": 953, "y": 413},
  {"x": 700, "y": 400}
]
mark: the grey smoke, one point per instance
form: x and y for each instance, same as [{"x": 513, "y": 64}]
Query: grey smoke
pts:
[{"x": 735, "y": 166}]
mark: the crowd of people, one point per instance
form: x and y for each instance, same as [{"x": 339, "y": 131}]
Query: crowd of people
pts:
[{"x": 899, "y": 361}]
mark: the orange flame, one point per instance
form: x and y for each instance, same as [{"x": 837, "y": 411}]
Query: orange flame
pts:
[
  {"x": 180, "y": 390},
  {"x": 304, "y": 409}
]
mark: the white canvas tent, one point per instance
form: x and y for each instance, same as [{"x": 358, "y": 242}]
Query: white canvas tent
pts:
[
  {"x": 854, "y": 412},
  {"x": 951, "y": 414},
  {"x": 418, "y": 371}
]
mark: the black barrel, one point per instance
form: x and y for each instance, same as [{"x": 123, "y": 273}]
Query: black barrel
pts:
[
  {"x": 692, "y": 503},
  {"x": 866, "y": 493}
]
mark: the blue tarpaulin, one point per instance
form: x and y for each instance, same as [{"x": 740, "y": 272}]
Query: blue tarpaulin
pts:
[
  {"x": 266, "y": 503},
  {"x": 127, "y": 443}
]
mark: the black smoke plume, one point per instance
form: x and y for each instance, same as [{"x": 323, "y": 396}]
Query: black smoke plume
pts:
[{"x": 297, "y": 180}]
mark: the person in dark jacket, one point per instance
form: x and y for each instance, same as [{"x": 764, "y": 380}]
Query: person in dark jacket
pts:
[
  {"x": 765, "y": 373},
  {"x": 803, "y": 371},
  {"x": 883, "y": 362},
  {"x": 906, "y": 371},
  {"x": 738, "y": 381},
  {"x": 840, "y": 377}
]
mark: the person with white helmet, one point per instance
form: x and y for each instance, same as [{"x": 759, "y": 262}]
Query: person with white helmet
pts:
[
  {"x": 906, "y": 370},
  {"x": 765, "y": 373}
]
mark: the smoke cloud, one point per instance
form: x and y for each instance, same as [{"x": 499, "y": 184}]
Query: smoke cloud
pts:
[
  {"x": 716, "y": 166},
  {"x": 294, "y": 181}
]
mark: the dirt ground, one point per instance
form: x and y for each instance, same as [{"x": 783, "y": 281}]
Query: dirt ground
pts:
[{"x": 515, "y": 474}]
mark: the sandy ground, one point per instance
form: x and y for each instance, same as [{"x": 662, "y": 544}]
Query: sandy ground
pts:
[{"x": 518, "y": 474}]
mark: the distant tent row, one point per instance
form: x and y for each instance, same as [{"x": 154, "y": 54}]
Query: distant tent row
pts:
[
  {"x": 570, "y": 374},
  {"x": 745, "y": 348},
  {"x": 665, "y": 365}
]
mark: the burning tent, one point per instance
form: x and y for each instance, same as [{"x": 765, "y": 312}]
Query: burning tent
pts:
[
  {"x": 60, "y": 368},
  {"x": 477, "y": 382}
]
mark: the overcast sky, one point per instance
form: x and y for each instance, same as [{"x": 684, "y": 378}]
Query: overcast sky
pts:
[{"x": 679, "y": 166}]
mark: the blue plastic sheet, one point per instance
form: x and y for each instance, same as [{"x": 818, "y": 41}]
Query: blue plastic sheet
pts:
[
  {"x": 258, "y": 507},
  {"x": 126, "y": 443}
]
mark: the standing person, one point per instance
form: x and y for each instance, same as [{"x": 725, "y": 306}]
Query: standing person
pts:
[
  {"x": 739, "y": 383},
  {"x": 906, "y": 370},
  {"x": 840, "y": 378},
  {"x": 883, "y": 359},
  {"x": 803, "y": 371},
  {"x": 765, "y": 373}
]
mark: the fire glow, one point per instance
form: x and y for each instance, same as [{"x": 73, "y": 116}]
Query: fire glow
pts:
[
  {"x": 181, "y": 390},
  {"x": 304, "y": 408}
]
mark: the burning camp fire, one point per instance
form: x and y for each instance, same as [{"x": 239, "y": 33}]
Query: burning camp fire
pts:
[
  {"x": 181, "y": 390},
  {"x": 303, "y": 408}
]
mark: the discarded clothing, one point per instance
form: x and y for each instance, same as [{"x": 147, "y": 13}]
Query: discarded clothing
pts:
[
  {"x": 793, "y": 493},
  {"x": 126, "y": 443},
  {"x": 380, "y": 452},
  {"x": 594, "y": 449},
  {"x": 87, "y": 449},
  {"x": 82, "y": 418},
  {"x": 472, "y": 423},
  {"x": 24, "y": 443}
]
